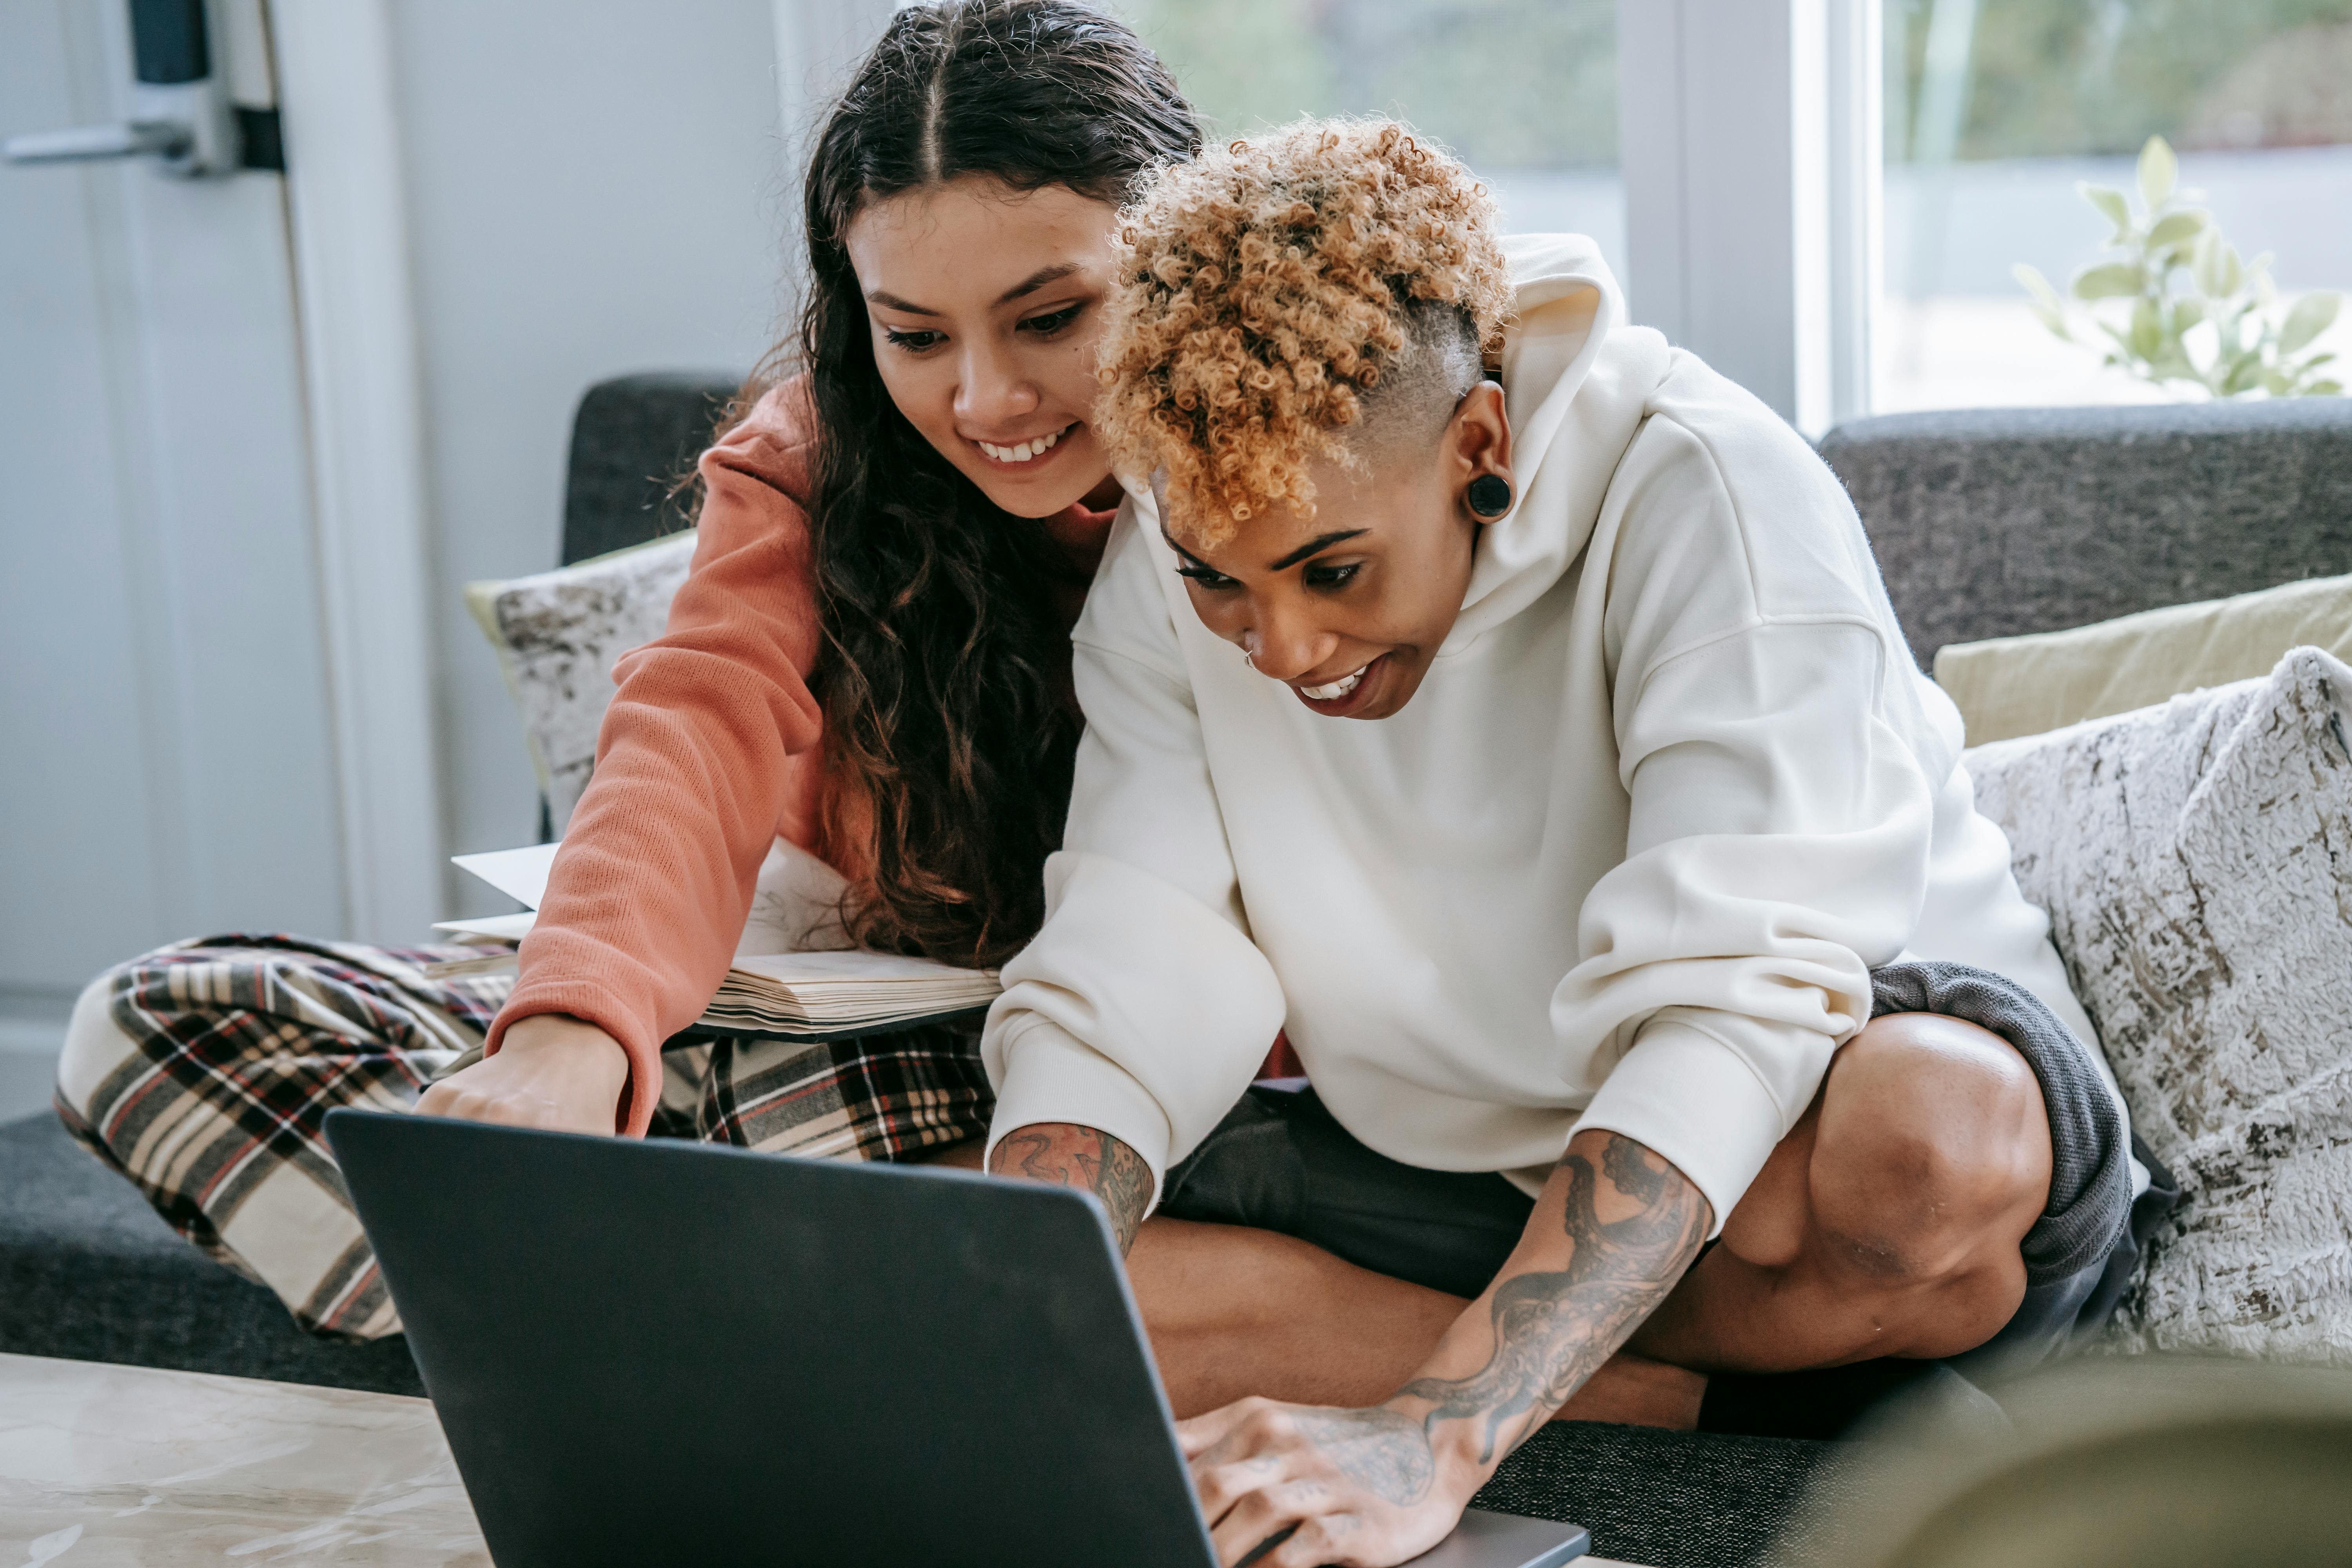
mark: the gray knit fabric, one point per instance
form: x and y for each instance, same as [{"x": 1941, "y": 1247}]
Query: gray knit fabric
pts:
[
  {"x": 1988, "y": 523},
  {"x": 2090, "y": 1170},
  {"x": 635, "y": 439}
]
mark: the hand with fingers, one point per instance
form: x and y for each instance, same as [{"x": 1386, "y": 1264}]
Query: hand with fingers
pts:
[
  {"x": 1291, "y": 1486},
  {"x": 1295, "y": 1486},
  {"x": 549, "y": 1071}
]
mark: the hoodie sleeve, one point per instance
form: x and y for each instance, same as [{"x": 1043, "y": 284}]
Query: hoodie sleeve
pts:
[
  {"x": 1781, "y": 809},
  {"x": 1142, "y": 1009}
]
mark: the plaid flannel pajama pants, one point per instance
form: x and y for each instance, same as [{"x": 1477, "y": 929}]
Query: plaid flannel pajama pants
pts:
[{"x": 205, "y": 1072}]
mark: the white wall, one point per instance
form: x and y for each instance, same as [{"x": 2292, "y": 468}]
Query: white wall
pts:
[{"x": 594, "y": 187}]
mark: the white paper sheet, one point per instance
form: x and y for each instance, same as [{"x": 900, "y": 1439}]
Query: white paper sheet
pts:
[
  {"x": 499, "y": 927},
  {"x": 519, "y": 873}
]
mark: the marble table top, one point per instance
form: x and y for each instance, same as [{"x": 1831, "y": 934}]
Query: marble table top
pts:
[
  {"x": 105, "y": 1465},
  {"x": 117, "y": 1465}
]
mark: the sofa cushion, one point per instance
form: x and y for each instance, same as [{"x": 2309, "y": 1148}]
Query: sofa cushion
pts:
[
  {"x": 88, "y": 1272},
  {"x": 1989, "y": 522},
  {"x": 2008, "y": 687},
  {"x": 1677, "y": 1499},
  {"x": 634, "y": 442},
  {"x": 557, "y": 635},
  {"x": 2196, "y": 859}
]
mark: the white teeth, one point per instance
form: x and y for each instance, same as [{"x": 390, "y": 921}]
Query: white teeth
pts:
[
  {"x": 1336, "y": 689},
  {"x": 1025, "y": 450}
]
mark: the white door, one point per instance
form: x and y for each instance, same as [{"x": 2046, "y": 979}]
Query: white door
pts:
[{"x": 166, "y": 741}]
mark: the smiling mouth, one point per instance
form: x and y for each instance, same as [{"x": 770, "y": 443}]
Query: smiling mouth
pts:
[
  {"x": 1336, "y": 688},
  {"x": 1027, "y": 451}
]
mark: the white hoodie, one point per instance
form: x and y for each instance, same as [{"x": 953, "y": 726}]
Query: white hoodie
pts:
[{"x": 1670, "y": 789}]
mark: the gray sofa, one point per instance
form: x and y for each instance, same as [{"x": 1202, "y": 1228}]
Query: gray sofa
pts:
[{"x": 1985, "y": 523}]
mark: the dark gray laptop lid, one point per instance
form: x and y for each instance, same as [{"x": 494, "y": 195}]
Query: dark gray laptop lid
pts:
[{"x": 654, "y": 1351}]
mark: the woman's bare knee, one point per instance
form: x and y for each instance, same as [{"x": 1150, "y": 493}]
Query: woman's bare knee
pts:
[{"x": 1933, "y": 1154}]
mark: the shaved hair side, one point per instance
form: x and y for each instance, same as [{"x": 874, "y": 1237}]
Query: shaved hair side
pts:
[{"x": 1420, "y": 386}]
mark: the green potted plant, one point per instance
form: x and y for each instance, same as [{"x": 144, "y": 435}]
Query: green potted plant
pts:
[{"x": 2172, "y": 273}]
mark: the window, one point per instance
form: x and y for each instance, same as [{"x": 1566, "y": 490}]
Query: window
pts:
[
  {"x": 1525, "y": 91},
  {"x": 1997, "y": 108}
]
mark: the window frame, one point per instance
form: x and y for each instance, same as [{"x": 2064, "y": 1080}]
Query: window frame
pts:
[{"x": 1752, "y": 194}]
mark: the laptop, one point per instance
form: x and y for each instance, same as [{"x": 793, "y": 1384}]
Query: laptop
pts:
[{"x": 666, "y": 1352}]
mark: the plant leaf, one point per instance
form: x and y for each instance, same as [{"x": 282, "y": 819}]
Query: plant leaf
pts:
[
  {"x": 2159, "y": 172},
  {"x": 2205, "y": 263},
  {"x": 2110, "y": 202},
  {"x": 2031, "y": 280},
  {"x": 2147, "y": 328},
  {"x": 2186, "y": 311},
  {"x": 2110, "y": 281},
  {"x": 2313, "y": 314},
  {"x": 2244, "y": 372},
  {"x": 2324, "y": 389},
  {"x": 2176, "y": 232}
]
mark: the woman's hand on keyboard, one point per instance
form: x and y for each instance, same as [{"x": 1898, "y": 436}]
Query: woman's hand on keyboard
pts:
[
  {"x": 549, "y": 1071},
  {"x": 1295, "y": 1486}
]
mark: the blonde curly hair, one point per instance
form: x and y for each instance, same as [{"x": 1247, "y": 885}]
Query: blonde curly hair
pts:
[{"x": 1270, "y": 292}]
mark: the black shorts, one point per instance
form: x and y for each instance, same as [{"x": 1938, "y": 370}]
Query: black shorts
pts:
[{"x": 1280, "y": 1160}]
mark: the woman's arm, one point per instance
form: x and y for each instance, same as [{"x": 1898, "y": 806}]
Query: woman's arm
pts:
[
  {"x": 1064, "y": 1155},
  {"x": 1142, "y": 1009},
  {"x": 1613, "y": 1230},
  {"x": 694, "y": 772}
]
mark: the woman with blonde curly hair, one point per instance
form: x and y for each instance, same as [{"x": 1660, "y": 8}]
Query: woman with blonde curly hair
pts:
[{"x": 1507, "y": 706}]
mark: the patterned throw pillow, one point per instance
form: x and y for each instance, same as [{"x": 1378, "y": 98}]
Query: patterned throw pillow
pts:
[
  {"x": 2196, "y": 859},
  {"x": 557, "y": 635}
]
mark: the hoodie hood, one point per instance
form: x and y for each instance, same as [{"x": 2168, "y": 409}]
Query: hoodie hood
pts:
[{"x": 1576, "y": 383}]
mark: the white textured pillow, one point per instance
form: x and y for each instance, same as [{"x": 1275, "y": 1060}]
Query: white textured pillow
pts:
[
  {"x": 557, "y": 635},
  {"x": 2196, "y": 859}
]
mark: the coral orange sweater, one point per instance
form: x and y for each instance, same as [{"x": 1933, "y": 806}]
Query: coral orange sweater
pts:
[{"x": 708, "y": 752}]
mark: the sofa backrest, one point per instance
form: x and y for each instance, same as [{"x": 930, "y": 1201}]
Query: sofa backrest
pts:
[
  {"x": 1987, "y": 523},
  {"x": 1996, "y": 522},
  {"x": 634, "y": 439}
]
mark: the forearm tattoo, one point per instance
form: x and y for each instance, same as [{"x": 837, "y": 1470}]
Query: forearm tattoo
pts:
[
  {"x": 1552, "y": 1330},
  {"x": 1081, "y": 1157}
]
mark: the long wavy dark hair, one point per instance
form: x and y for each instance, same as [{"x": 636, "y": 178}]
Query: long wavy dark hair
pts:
[{"x": 943, "y": 706}]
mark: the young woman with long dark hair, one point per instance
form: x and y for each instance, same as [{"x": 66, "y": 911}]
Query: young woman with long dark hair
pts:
[{"x": 869, "y": 661}]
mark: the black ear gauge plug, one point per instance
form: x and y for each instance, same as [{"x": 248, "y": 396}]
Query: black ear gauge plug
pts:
[{"x": 1490, "y": 495}]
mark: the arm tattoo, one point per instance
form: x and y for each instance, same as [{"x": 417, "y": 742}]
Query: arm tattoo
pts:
[
  {"x": 1081, "y": 1157},
  {"x": 1553, "y": 1329}
]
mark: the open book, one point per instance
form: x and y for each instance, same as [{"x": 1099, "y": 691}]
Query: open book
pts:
[{"x": 794, "y": 973}]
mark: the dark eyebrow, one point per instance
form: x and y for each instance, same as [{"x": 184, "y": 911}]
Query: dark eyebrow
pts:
[
  {"x": 1320, "y": 543},
  {"x": 1029, "y": 285},
  {"x": 884, "y": 297},
  {"x": 1181, "y": 549},
  {"x": 1036, "y": 280},
  {"x": 1313, "y": 545}
]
